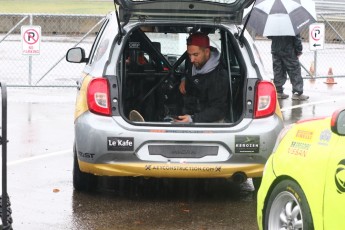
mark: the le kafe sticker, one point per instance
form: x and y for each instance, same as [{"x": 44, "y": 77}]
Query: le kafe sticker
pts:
[{"x": 120, "y": 143}]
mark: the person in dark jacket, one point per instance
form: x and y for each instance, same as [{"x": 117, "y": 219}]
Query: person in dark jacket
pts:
[
  {"x": 205, "y": 87},
  {"x": 285, "y": 53}
]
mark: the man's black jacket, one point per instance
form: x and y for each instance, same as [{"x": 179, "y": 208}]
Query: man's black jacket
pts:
[
  {"x": 286, "y": 45},
  {"x": 207, "y": 95}
]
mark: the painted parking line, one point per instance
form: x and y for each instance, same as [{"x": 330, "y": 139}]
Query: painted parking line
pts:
[{"x": 53, "y": 154}]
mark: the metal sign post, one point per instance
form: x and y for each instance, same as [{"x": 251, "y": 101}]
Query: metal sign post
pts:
[{"x": 316, "y": 40}]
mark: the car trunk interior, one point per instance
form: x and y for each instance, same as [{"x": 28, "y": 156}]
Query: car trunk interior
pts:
[{"x": 154, "y": 61}]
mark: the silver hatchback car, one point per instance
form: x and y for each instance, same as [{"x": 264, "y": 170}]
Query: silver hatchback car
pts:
[{"x": 128, "y": 97}]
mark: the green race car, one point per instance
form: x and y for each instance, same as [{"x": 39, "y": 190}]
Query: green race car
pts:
[{"x": 303, "y": 185}]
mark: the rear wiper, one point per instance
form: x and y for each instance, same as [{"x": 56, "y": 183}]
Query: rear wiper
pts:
[{"x": 118, "y": 23}]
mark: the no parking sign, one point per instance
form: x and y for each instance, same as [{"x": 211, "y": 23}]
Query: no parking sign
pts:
[{"x": 31, "y": 39}]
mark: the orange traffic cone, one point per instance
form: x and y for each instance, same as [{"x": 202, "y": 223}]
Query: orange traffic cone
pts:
[
  {"x": 330, "y": 79},
  {"x": 312, "y": 72}
]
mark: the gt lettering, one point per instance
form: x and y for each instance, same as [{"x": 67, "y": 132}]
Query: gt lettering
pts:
[{"x": 86, "y": 155}]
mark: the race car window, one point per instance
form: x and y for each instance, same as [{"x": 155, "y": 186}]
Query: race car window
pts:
[{"x": 97, "y": 42}]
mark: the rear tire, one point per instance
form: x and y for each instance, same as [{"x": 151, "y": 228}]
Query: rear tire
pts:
[
  {"x": 287, "y": 206},
  {"x": 9, "y": 214},
  {"x": 82, "y": 181}
]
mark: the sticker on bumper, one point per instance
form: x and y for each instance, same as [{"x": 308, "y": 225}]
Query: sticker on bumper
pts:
[
  {"x": 247, "y": 144},
  {"x": 120, "y": 143},
  {"x": 183, "y": 168}
]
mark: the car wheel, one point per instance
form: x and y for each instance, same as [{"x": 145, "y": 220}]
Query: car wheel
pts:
[
  {"x": 82, "y": 181},
  {"x": 287, "y": 208},
  {"x": 257, "y": 182},
  {"x": 9, "y": 214}
]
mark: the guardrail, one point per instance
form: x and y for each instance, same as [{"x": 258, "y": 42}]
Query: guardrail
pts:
[{"x": 330, "y": 6}]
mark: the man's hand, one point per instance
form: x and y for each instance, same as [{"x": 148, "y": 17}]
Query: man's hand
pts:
[
  {"x": 183, "y": 87},
  {"x": 183, "y": 118}
]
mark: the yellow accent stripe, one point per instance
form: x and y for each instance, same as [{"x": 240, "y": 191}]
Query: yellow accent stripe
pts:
[
  {"x": 81, "y": 101},
  {"x": 171, "y": 170},
  {"x": 278, "y": 110}
]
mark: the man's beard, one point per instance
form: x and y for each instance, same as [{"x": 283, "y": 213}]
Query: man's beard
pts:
[{"x": 200, "y": 65}]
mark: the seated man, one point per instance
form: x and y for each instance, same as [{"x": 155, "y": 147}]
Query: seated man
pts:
[{"x": 205, "y": 87}]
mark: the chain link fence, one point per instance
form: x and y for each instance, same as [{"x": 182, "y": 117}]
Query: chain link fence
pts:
[
  {"x": 315, "y": 64},
  {"x": 61, "y": 32}
]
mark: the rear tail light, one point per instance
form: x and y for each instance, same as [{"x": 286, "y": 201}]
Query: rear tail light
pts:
[
  {"x": 265, "y": 99},
  {"x": 98, "y": 98}
]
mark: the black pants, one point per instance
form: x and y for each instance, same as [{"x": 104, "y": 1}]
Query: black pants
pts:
[{"x": 283, "y": 65}]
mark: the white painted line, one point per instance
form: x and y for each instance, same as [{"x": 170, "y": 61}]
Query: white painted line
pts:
[
  {"x": 39, "y": 157},
  {"x": 311, "y": 103}
]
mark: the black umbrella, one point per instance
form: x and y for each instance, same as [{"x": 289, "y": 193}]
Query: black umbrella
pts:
[{"x": 281, "y": 17}]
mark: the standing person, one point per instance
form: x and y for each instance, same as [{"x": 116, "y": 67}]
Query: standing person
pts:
[
  {"x": 206, "y": 84},
  {"x": 285, "y": 53}
]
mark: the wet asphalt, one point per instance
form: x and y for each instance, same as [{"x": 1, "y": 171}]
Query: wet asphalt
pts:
[{"x": 40, "y": 135}]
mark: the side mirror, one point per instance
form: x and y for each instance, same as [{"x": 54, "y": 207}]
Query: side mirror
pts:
[
  {"x": 76, "y": 55},
  {"x": 338, "y": 122}
]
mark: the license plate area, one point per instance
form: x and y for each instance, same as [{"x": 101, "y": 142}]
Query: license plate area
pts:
[{"x": 183, "y": 151}]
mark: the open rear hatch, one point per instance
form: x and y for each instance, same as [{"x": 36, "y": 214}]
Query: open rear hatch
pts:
[{"x": 225, "y": 11}]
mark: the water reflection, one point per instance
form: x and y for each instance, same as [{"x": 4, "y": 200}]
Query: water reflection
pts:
[
  {"x": 296, "y": 111},
  {"x": 291, "y": 110},
  {"x": 135, "y": 203}
]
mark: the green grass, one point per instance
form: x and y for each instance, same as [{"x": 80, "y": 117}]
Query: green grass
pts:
[{"x": 57, "y": 6}]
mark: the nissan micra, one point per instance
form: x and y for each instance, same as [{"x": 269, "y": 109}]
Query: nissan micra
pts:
[{"x": 128, "y": 97}]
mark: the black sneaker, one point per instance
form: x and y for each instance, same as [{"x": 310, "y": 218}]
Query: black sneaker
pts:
[{"x": 282, "y": 95}]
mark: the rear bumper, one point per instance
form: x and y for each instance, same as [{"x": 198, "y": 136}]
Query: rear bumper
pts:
[
  {"x": 99, "y": 153},
  {"x": 172, "y": 170}
]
